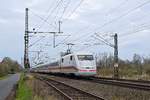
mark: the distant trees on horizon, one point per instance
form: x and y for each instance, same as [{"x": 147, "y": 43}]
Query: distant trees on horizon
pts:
[
  {"x": 8, "y": 66},
  {"x": 107, "y": 60},
  {"x": 139, "y": 65}
]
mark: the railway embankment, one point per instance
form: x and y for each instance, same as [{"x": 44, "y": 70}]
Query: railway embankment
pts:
[
  {"x": 109, "y": 92},
  {"x": 30, "y": 88}
]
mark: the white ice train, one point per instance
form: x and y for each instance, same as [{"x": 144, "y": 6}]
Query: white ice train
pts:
[{"x": 80, "y": 64}]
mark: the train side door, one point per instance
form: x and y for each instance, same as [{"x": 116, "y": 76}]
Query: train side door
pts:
[{"x": 72, "y": 60}]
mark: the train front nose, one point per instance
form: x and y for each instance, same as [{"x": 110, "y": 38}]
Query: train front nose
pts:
[
  {"x": 87, "y": 65},
  {"x": 87, "y": 71}
]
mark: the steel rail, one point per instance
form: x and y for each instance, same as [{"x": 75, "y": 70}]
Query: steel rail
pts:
[
  {"x": 129, "y": 80},
  {"x": 58, "y": 90},
  {"x": 123, "y": 83},
  {"x": 68, "y": 91},
  {"x": 127, "y": 83}
]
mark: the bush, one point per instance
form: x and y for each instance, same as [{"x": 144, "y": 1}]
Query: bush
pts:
[
  {"x": 8, "y": 66},
  {"x": 148, "y": 71}
]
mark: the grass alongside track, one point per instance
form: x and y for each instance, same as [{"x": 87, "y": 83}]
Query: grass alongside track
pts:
[
  {"x": 23, "y": 91},
  {"x": 125, "y": 72},
  {"x": 4, "y": 77},
  {"x": 29, "y": 88}
]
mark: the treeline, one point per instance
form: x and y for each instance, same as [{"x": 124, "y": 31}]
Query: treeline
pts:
[
  {"x": 8, "y": 66},
  {"x": 107, "y": 60},
  {"x": 138, "y": 65}
]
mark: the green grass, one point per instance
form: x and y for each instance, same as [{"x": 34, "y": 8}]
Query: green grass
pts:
[
  {"x": 4, "y": 77},
  {"x": 125, "y": 72},
  {"x": 23, "y": 91}
]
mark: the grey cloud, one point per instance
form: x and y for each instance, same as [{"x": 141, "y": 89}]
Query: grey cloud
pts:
[{"x": 91, "y": 15}]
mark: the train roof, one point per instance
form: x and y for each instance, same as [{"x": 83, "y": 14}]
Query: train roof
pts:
[
  {"x": 79, "y": 53},
  {"x": 83, "y": 53},
  {"x": 47, "y": 64}
]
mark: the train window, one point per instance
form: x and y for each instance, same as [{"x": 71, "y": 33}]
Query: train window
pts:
[
  {"x": 70, "y": 57},
  {"x": 62, "y": 60},
  {"x": 85, "y": 57}
]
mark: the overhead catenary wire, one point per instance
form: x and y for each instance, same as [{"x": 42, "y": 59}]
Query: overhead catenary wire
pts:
[
  {"x": 43, "y": 19},
  {"x": 36, "y": 41},
  {"x": 55, "y": 9},
  {"x": 49, "y": 15},
  {"x": 50, "y": 6},
  {"x": 58, "y": 16},
  {"x": 87, "y": 27},
  {"x": 124, "y": 2},
  {"x": 55, "y": 17},
  {"x": 125, "y": 34},
  {"x": 63, "y": 41},
  {"x": 73, "y": 11},
  {"x": 133, "y": 32},
  {"x": 75, "y": 40},
  {"x": 103, "y": 40},
  {"x": 65, "y": 8},
  {"x": 47, "y": 11},
  {"x": 69, "y": 15},
  {"x": 87, "y": 47},
  {"x": 113, "y": 20}
]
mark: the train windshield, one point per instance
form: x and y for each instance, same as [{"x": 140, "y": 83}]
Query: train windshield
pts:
[{"x": 85, "y": 57}]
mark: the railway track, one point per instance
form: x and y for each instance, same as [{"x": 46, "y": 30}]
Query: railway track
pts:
[
  {"x": 128, "y": 83},
  {"x": 135, "y": 84},
  {"x": 129, "y": 80},
  {"x": 69, "y": 92}
]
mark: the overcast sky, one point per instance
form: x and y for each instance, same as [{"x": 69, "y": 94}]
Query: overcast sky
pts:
[{"x": 80, "y": 19}]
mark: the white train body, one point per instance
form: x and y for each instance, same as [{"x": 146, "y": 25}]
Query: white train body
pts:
[
  {"x": 78, "y": 64},
  {"x": 81, "y": 64}
]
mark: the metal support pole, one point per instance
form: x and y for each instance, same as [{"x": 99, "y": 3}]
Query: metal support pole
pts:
[
  {"x": 116, "y": 70},
  {"x": 54, "y": 44},
  {"x": 26, "y": 39},
  {"x": 59, "y": 31}
]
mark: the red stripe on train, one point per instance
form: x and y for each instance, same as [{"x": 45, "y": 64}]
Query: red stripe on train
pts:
[
  {"x": 88, "y": 70},
  {"x": 92, "y": 70},
  {"x": 83, "y": 70}
]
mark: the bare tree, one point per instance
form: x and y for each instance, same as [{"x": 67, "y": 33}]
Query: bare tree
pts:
[{"x": 137, "y": 61}]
